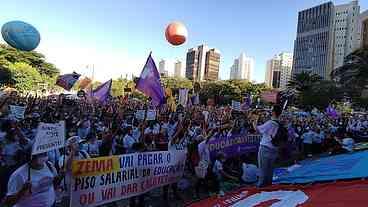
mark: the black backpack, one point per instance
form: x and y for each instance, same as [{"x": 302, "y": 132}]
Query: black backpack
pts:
[{"x": 281, "y": 136}]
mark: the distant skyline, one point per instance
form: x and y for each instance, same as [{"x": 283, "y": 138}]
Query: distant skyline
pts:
[{"x": 117, "y": 36}]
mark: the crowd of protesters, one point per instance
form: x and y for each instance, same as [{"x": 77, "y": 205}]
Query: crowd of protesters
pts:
[{"x": 94, "y": 129}]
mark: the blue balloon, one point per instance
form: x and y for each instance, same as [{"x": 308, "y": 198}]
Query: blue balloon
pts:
[{"x": 21, "y": 35}]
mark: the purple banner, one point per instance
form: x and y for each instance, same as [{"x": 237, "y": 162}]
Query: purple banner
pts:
[{"x": 234, "y": 145}]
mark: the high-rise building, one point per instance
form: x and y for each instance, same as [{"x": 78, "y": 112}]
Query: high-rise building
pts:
[
  {"x": 192, "y": 64},
  {"x": 162, "y": 68},
  {"x": 346, "y": 29},
  {"x": 363, "y": 25},
  {"x": 234, "y": 74},
  {"x": 313, "y": 47},
  {"x": 326, "y": 34},
  {"x": 177, "y": 69},
  {"x": 202, "y": 63},
  {"x": 278, "y": 71},
  {"x": 242, "y": 68},
  {"x": 212, "y": 65}
]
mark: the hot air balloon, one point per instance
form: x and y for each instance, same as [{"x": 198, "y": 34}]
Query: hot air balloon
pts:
[
  {"x": 20, "y": 35},
  {"x": 176, "y": 33}
]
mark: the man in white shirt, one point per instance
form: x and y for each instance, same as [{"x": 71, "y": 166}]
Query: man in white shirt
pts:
[
  {"x": 204, "y": 162},
  {"x": 32, "y": 185},
  {"x": 250, "y": 172},
  {"x": 307, "y": 138},
  {"x": 128, "y": 140},
  {"x": 318, "y": 138},
  {"x": 267, "y": 153}
]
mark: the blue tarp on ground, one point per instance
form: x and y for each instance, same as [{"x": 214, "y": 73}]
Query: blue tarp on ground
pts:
[{"x": 345, "y": 166}]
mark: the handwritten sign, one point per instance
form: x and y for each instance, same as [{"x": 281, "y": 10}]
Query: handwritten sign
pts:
[
  {"x": 106, "y": 179},
  {"x": 17, "y": 111},
  {"x": 49, "y": 137},
  {"x": 151, "y": 115}
]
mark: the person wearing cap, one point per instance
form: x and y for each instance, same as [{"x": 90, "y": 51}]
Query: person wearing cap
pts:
[{"x": 33, "y": 184}]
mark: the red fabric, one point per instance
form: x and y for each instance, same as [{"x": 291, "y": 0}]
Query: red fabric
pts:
[{"x": 338, "y": 194}]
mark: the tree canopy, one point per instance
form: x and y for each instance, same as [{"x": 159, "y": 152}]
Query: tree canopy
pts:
[
  {"x": 33, "y": 58},
  {"x": 24, "y": 77},
  {"x": 353, "y": 75},
  {"x": 13, "y": 62},
  {"x": 313, "y": 91}
]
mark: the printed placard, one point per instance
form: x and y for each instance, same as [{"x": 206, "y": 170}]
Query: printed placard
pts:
[{"x": 107, "y": 179}]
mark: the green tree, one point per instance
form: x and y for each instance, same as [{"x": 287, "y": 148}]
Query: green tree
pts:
[
  {"x": 320, "y": 94},
  {"x": 226, "y": 91},
  {"x": 119, "y": 85},
  {"x": 50, "y": 82},
  {"x": 353, "y": 75},
  {"x": 34, "y": 59},
  {"x": 176, "y": 83},
  {"x": 5, "y": 76},
  {"x": 303, "y": 81},
  {"x": 24, "y": 77}
]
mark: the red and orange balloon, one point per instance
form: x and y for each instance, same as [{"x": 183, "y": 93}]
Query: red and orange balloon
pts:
[{"x": 176, "y": 33}]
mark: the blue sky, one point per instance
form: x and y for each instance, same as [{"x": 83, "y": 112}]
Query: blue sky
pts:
[{"x": 117, "y": 35}]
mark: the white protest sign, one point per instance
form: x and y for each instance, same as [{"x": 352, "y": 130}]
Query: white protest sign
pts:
[
  {"x": 139, "y": 114},
  {"x": 49, "y": 137},
  {"x": 17, "y": 111},
  {"x": 107, "y": 179},
  {"x": 235, "y": 105},
  {"x": 151, "y": 115},
  {"x": 183, "y": 97}
]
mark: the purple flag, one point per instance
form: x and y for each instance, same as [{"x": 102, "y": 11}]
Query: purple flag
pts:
[
  {"x": 102, "y": 92},
  {"x": 149, "y": 82},
  {"x": 67, "y": 81},
  {"x": 331, "y": 112}
]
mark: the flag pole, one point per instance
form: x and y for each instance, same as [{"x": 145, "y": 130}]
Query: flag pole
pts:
[{"x": 93, "y": 77}]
